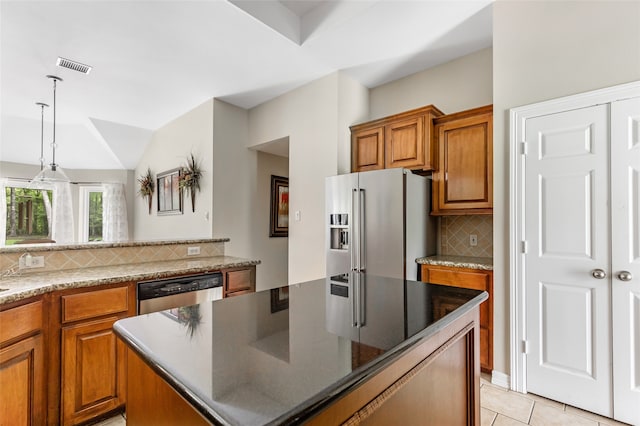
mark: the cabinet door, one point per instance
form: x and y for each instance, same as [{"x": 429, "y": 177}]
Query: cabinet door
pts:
[
  {"x": 464, "y": 181},
  {"x": 22, "y": 391},
  {"x": 404, "y": 143},
  {"x": 93, "y": 370},
  {"x": 367, "y": 149},
  {"x": 466, "y": 278}
]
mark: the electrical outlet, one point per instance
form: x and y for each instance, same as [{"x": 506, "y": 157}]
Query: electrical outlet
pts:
[
  {"x": 27, "y": 261},
  {"x": 193, "y": 251},
  {"x": 473, "y": 240}
]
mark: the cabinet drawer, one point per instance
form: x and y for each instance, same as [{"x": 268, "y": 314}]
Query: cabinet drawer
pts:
[
  {"x": 473, "y": 280},
  {"x": 94, "y": 303},
  {"x": 20, "y": 321},
  {"x": 239, "y": 280}
]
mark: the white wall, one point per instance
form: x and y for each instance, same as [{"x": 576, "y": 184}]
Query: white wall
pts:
[
  {"x": 353, "y": 108},
  {"x": 169, "y": 148},
  {"x": 242, "y": 184},
  {"x": 312, "y": 116},
  {"x": 454, "y": 86},
  {"x": 544, "y": 50},
  {"x": 126, "y": 177},
  {"x": 274, "y": 251}
]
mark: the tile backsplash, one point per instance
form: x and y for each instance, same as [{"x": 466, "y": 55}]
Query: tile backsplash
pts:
[
  {"x": 455, "y": 231},
  {"x": 56, "y": 260}
]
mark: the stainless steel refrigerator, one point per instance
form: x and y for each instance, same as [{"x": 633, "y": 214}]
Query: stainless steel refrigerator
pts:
[{"x": 378, "y": 222}]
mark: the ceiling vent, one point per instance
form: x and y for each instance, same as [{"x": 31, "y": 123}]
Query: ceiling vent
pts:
[{"x": 73, "y": 65}]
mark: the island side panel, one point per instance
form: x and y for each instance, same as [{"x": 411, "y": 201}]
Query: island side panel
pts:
[
  {"x": 437, "y": 381},
  {"x": 152, "y": 401}
]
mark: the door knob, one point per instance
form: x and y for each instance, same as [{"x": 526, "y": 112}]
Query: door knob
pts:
[
  {"x": 599, "y": 274},
  {"x": 625, "y": 276}
]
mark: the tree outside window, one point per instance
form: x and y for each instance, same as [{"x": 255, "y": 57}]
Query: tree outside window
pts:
[{"x": 28, "y": 214}]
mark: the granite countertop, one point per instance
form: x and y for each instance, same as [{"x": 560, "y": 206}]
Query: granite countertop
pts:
[
  {"x": 484, "y": 263},
  {"x": 282, "y": 364},
  {"x": 21, "y": 286},
  {"x": 19, "y": 248}
]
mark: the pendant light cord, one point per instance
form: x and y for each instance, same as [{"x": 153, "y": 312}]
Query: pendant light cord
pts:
[
  {"x": 53, "y": 161},
  {"x": 55, "y": 79},
  {"x": 42, "y": 105}
]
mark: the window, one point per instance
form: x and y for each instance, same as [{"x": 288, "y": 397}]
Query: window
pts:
[
  {"x": 90, "y": 217},
  {"x": 29, "y": 214}
]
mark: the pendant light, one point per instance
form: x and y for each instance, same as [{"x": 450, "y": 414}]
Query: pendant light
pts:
[
  {"x": 52, "y": 173},
  {"x": 42, "y": 105}
]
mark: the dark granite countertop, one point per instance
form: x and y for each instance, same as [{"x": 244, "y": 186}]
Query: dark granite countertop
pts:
[
  {"x": 484, "y": 263},
  {"x": 19, "y": 287},
  {"x": 250, "y": 360}
]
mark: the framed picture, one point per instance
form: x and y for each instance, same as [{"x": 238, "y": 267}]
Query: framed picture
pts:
[
  {"x": 279, "y": 226},
  {"x": 279, "y": 299},
  {"x": 169, "y": 193}
]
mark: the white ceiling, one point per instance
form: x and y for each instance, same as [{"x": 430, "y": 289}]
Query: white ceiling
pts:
[{"x": 155, "y": 60}]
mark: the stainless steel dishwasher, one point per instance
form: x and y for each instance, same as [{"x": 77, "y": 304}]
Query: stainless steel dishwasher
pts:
[{"x": 171, "y": 293}]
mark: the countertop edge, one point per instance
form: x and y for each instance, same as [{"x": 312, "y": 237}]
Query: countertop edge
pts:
[
  {"x": 200, "y": 265},
  {"x": 20, "y": 248},
  {"x": 456, "y": 262}
]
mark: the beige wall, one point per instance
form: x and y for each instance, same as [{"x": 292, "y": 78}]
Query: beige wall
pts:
[
  {"x": 274, "y": 251},
  {"x": 169, "y": 148},
  {"x": 454, "y": 86},
  {"x": 544, "y": 50},
  {"x": 313, "y": 118},
  {"x": 242, "y": 185}
]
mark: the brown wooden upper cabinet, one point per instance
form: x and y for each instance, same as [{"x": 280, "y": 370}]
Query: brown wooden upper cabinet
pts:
[
  {"x": 401, "y": 140},
  {"x": 463, "y": 183}
]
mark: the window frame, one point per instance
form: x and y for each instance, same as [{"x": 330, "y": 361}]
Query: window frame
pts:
[{"x": 84, "y": 192}]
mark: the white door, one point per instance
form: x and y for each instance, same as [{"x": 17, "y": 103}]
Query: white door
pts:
[
  {"x": 568, "y": 316},
  {"x": 625, "y": 226}
]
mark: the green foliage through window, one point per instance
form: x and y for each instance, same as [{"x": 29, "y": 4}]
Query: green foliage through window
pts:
[
  {"x": 95, "y": 216},
  {"x": 28, "y": 214}
]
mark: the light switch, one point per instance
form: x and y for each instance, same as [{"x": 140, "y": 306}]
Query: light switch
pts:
[{"x": 297, "y": 215}]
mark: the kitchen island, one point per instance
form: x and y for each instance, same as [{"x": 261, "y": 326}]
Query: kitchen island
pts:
[{"x": 352, "y": 348}]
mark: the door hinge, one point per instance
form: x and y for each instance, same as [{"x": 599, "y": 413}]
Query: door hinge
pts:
[
  {"x": 525, "y": 347},
  {"x": 523, "y": 148},
  {"x": 524, "y": 247}
]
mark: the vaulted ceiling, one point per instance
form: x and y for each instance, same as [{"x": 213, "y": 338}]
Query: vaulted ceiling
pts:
[{"x": 155, "y": 60}]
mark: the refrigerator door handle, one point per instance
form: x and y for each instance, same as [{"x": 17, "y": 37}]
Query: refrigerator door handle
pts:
[
  {"x": 354, "y": 232},
  {"x": 354, "y": 300},
  {"x": 362, "y": 233},
  {"x": 362, "y": 306}
]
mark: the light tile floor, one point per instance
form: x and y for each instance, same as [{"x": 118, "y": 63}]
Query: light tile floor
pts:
[{"x": 502, "y": 407}]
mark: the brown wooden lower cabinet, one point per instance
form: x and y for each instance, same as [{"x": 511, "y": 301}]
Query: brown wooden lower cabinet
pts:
[
  {"x": 466, "y": 278},
  {"x": 93, "y": 370},
  {"x": 239, "y": 281},
  {"x": 22, "y": 372},
  {"x": 90, "y": 359}
]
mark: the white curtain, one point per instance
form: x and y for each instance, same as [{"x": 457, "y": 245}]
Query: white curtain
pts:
[
  {"x": 62, "y": 232},
  {"x": 115, "y": 226},
  {"x": 3, "y": 212}
]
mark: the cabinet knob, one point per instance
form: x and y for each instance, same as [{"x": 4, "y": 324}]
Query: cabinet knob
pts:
[
  {"x": 625, "y": 276},
  {"x": 599, "y": 274}
]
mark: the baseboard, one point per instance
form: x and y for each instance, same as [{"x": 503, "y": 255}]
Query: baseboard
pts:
[{"x": 500, "y": 379}]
